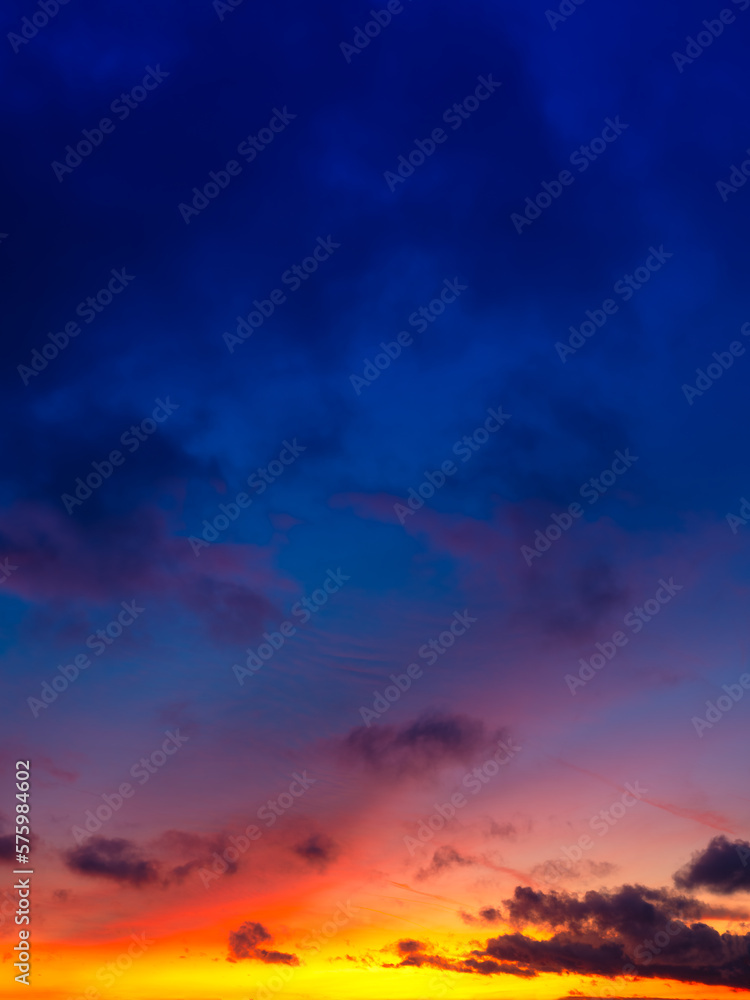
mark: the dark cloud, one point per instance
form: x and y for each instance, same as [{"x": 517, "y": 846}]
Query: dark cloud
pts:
[
  {"x": 418, "y": 959},
  {"x": 487, "y": 915},
  {"x": 556, "y": 956},
  {"x": 179, "y": 854},
  {"x": 635, "y": 908},
  {"x": 8, "y": 840},
  {"x": 244, "y": 942},
  {"x": 489, "y": 968},
  {"x": 606, "y": 933},
  {"x": 631, "y": 931},
  {"x": 410, "y": 946},
  {"x": 428, "y": 743},
  {"x": 415, "y": 954},
  {"x": 115, "y": 859},
  {"x": 318, "y": 851},
  {"x": 444, "y": 857},
  {"x": 132, "y": 553},
  {"x": 723, "y": 867}
]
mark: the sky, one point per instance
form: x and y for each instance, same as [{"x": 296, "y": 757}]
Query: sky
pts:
[{"x": 373, "y": 530}]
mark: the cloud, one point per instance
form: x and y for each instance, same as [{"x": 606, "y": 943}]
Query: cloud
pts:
[
  {"x": 7, "y": 847},
  {"x": 723, "y": 867},
  {"x": 181, "y": 853},
  {"x": 506, "y": 831},
  {"x": 243, "y": 943},
  {"x": 415, "y": 954},
  {"x": 430, "y": 742},
  {"x": 115, "y": 859},
  {"x": 318, "y": 851},
  {"x": 199, "y": 849},
  {"x": 488, "y": 915},
  {"x": 444, "y": 857},
  {"x": 559, "y": 870},
  {"x": 631, "y": 909},
  {"x": 66, "y": 561},
  {"x": 410, "y": 946},
  {"x": 605, "y": 934},
  {"x": 600, "y": 869},
  {"x": 8, "y": 840}
]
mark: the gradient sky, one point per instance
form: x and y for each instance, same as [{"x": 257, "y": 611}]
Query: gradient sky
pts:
[{"x": 281, "y": 832}]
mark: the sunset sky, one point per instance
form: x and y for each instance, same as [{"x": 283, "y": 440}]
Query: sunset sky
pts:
[{"x": 373, "y": 539}]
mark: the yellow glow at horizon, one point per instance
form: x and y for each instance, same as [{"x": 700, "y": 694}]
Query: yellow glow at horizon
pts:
[{"x": 204, "y": 974}]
